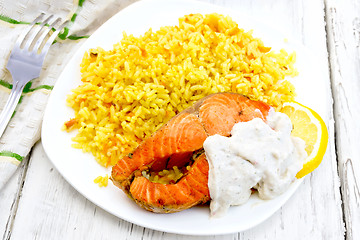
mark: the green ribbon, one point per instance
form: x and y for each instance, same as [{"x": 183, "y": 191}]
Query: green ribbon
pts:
[{"x": 11, "y": 154}]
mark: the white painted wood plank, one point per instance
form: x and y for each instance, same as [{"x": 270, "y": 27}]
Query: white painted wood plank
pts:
[
  {"x": 57, "y": 211},
  {"x": 343, "y": 25},
  {"x": 9, "y": 196}
]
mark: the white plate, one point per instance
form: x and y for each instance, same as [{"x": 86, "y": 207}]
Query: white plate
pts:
[{"x": 80, "y": 169}]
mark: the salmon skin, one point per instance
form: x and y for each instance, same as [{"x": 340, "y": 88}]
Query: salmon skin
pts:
[{"x": 174, "y": 144}]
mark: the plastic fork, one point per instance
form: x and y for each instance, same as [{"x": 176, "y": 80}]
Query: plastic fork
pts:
[{"x": 26, "y": 60}]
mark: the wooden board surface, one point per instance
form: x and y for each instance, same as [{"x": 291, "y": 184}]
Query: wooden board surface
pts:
[
  {"x": 343, "y": 36},
  {"x": 39, "y": 204}
]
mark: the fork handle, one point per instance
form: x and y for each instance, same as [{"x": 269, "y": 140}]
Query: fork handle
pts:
[{"x": 10, "y": 105}]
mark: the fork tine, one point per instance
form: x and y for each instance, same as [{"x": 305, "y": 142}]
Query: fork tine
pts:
[
  {"x": 25, "y": 64},
  {"x": 26, "y": 31},
  {"x": 51, "y": 39},
  {"x": 35, "y": 34},
  {"x": 40, "y": 40}
]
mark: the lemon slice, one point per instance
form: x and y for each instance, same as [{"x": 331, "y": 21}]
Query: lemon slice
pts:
[{"x": 308, "y": 126}]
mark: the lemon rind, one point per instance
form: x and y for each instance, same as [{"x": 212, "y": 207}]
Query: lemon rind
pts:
[{"x": 315, "y": 158}]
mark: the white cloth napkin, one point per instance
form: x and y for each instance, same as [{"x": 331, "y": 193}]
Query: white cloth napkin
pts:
[{"x": 24, "y": 128}]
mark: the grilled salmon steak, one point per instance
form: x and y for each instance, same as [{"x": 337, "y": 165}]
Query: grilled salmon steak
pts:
[{"x": 178, "y": 143}]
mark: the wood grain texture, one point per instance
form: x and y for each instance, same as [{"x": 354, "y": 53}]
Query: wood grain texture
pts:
[
  {"x": 343, "y": 28},
  {"x": 49, "y": 208}
]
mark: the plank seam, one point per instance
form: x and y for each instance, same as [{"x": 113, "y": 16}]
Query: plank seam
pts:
[
  {"x": 15, "y": 204},
  {"x": 330, "y": 24}
]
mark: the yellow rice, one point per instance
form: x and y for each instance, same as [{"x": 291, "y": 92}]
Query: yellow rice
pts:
[
  {"x": 102, "y": 181},
  {"x": 130, "y": 91},
  {"x": 165, "y": 176}
]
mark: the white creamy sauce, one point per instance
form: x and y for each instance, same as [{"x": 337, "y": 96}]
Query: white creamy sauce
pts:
[{"x": 257, "y": 155}]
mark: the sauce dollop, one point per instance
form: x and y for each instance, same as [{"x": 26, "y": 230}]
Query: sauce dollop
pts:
[{"x": 258, "y": 155}]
